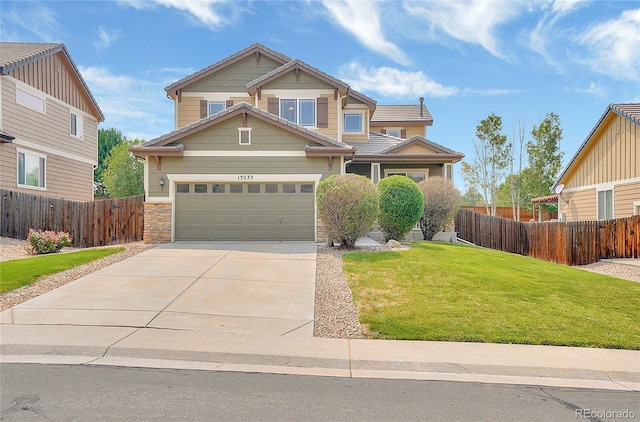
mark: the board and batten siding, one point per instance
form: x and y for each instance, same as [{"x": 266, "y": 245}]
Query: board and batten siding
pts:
[
  {"x": 234, "y": 78},
  {"x": 55, "y": 76},
  {"x": 52, "y": 129},
  {"x": 613, "y": 154}
]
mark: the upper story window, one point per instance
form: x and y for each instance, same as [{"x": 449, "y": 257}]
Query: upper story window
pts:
[
  {"x": 394, "y": 132},
  {"x": 31, "y": 169},
  {"x": 605, "y": 204},
  {"x": 77, "y": 125},
  {"x": 300, "y": 111},
  {"x": 29, "y": 100},
  {"x": 216, "y": 107},
  {"x": 353, "y": 123}
]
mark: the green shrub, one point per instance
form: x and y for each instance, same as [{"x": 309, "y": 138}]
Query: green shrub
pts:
[
  {"x": 348, "y": 206},
  {"x": 441, "y": 202},
  {"x": 401, "y": 205},
  {"x": 42, "y": 242}
]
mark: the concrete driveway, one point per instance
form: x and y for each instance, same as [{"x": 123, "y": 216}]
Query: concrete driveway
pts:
[{"x": 262, "y": 288}]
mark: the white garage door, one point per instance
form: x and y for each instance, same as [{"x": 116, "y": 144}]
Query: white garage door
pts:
[{"x": 245, "y": 211}]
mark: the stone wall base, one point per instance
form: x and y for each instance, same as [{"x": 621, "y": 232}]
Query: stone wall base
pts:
[{"x": 157, "y": 223}]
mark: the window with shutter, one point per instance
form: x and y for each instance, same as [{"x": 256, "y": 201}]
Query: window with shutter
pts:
[
  {"x": 204, "y": 108},
  {"x": 229, "y": 103},
  {"x": 323, "y": 112},
  {"x": 403, "y": 133}
]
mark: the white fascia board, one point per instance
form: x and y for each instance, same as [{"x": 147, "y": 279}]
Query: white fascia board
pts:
[{"x": 244, "y": 154}]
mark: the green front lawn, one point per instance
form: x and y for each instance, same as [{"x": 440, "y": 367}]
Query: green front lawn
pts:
[
  {"x": 439, "y": 291},
  {"x": 22, "y": 272}
]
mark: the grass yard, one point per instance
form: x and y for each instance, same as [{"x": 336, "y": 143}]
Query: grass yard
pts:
[
  {"x": 440, "y": 291},
  {"x": 22, "y": 272}
]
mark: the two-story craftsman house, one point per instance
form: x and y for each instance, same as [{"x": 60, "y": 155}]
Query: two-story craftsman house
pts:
[
  {"x": 255, "y": 134},
  {"x": 48, "y": 123}
]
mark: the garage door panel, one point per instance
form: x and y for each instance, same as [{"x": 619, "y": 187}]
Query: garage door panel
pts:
[{"x": 246, "y": 216}]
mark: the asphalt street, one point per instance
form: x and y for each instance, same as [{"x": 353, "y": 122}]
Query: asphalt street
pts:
[{"x": 33, "y": 392}]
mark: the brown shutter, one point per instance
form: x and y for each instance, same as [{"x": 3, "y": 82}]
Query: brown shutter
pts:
[
  {"x": 323, "y": 112},
  {"x": 403, "y": 133},
  {"x": 204, "y": 108},
  {"x": 229, "y": 103},
  {"x": 273, "y": 105},
  {"x": 383, "y": 130}
]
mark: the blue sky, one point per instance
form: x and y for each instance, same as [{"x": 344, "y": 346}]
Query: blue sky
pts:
[{"x": 518, "y": 59}]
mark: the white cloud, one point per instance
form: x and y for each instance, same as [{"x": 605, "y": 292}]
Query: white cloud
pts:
[
  {"x": 39, "y": 21},
  {"x": 393, "y": 82},
  {"x": 362, "y": 20},
  {"x": 136, "y": 106},
  {"x": 613, "y": 46},
  {"x": 474, "y": 22},
  {"x": 209, "y": 12},
  {"x": 592, "y": 89},
  {"x": 106, "y": 37}
]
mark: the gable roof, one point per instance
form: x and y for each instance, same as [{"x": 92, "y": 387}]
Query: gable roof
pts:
[
  {"x": 297, "y": 65},
  {"x": 256, "y": 49},
  {"x": 155, "y": 145},
  {"x": 383, "y": 147},
  {"x": 630, "y": 111},
  {"x": 14, "y": 55},
  {"x": 401, "y": 115}
]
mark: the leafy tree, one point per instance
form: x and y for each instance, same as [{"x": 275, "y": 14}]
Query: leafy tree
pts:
[
  {"x": 545, "y": 157},
  {"x": 491, "y": 159},
  {"x": 471, "y": 197},
  {"x": 441, "y": 203},
  {"x": 123, "y": 174},
  {"x": 107, "y": 139},
  {"x": 401, "y": 205},
  {"x": 348, "y": 206}
]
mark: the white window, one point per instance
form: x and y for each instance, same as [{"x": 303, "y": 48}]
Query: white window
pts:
[
  {"x": 417, "y": 176},
  {"x": 605, "y": 204},
  {"x": 353, "y": 123},
  {"x": 29, "y": 100},
  {"x": 77, "y": 125},
  {"x": 244, "y": 134},
  {"x": 216, "y": 107},
  {"x": 394, "y": 132},
  {"x": 31, "y": 169},
  {"x": 300, "y": 111}
]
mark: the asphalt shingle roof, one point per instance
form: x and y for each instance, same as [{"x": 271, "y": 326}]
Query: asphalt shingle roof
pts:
[{"x": 404, "y": 113}]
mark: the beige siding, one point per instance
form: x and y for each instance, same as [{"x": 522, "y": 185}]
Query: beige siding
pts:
[
  {"x": 51, "y": 129},
  {"x": 55, "y": 76},
  {"x": 65, "y": 178},
  {"x": 188, "y": 111},
  {"x": 623, "y": 199},
  {"x": 581, "y": 205},
  {"x": 332, "y": 129},
  {"x": 416, "y": 149},
  {"x": 234, "y": 78},
  {"x": 613, "y": 154}
]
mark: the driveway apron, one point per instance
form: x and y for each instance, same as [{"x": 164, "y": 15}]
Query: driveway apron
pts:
[{"x": 264, "y": 288}]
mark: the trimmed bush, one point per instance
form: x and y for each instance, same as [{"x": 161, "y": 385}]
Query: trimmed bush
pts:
[
  {"x": 348, "y": 206},
  {"x": 401, "y": 205},
  {"x": 43, "y": 242},
  {"x": 441, "y": 203}
]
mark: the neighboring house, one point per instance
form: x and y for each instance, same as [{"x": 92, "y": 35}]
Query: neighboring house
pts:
[
  {"x": 602, "y": 180},
  {"x": 255, "y": 134},
  {"x": 48, "y": 123}
]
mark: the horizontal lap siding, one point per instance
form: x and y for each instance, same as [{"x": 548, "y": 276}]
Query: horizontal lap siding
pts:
[
  {"x": 624, "y": 197},
  {"x": 188, "y": 111},
  {"x": 581, "y": 205},
  {"x": 51, "y": 129},
  {"x": 235, "y": 77}
]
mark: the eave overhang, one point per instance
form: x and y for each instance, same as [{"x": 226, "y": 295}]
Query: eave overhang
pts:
[
  {"x": 158, "y": 151},
  {"x": 5, "y": 138},
  {"x": 312, "y": 151},
  {"x": 423, "y": 158},
  {"x": 415, "y": 122}
]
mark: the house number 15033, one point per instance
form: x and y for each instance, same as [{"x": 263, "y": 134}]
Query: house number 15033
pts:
[{"x": 245, "y": 177}]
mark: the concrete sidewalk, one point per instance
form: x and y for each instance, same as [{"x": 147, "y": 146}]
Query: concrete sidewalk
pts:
[{"x": 249, "y": 307}]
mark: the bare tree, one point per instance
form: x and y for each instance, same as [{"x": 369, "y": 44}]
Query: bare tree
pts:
[{"x": 515, "y": 177}]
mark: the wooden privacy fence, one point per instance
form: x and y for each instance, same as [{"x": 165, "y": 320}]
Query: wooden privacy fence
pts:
[
  {"x": 90, "y": 223},
  {"x": 570, "y": 243}
]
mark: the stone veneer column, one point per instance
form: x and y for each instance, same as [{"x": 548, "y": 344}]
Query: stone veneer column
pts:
[{"x": 157, "y": 223}]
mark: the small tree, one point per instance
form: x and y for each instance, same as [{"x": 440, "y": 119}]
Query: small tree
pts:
[
  {"x": 123, "y": 175},
  {"x": 401, "y": 204},
  {"x": 441, "y": 203},
  {"x": 348, "y": 206}
]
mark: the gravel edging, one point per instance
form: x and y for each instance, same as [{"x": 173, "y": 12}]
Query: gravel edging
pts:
[{"x": 15, "y": 249}]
